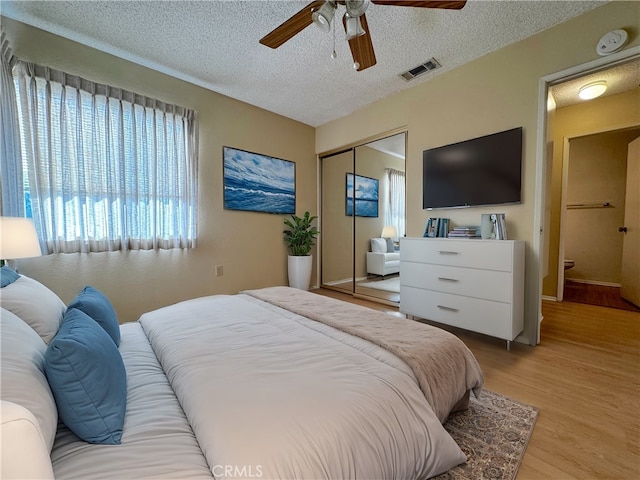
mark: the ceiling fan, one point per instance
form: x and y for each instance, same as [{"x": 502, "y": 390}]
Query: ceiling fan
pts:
[{"x": 321, "y": 12}]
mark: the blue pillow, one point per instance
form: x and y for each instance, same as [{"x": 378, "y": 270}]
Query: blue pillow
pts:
[
  {"x": 8, "y": 276},
  {"x": 93, "y": 302},
  {"x": 88, "y": 379}
]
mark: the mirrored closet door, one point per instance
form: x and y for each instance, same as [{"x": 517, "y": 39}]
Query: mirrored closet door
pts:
[
  {"x": 336, "y": 226},
  {"x": 371, "y": 201}
]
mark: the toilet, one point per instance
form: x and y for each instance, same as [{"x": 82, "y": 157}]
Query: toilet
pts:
[{"x": 568, "y": 264}]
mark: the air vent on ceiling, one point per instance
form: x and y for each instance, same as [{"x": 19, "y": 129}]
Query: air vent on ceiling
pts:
[{"x": 427, "y": 66}]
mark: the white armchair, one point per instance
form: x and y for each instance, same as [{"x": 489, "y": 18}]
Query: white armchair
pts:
[{"x": 380, "y": 261}]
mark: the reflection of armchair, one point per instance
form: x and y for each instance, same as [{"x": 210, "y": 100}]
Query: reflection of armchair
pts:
[{"x": 382, "y": 260}]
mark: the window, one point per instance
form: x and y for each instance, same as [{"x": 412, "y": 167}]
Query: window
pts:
[
  {"x": 395, "y": 211},
  {"x": 104, "y": 169}
]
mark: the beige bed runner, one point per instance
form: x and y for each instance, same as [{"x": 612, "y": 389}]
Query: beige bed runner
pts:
[{"x": 444, "y": 367}]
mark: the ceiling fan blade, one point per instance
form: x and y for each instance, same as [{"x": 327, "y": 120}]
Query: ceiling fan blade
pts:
[
  {"x": 451, "y": 4},
  {"x": 362, "y": 46},
  {"x": 291, "y": 27}
]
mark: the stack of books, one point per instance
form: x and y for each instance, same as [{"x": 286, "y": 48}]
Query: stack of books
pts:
[
  {"x": 437, "y": 227},
  {"x": 465, "y": 232}
]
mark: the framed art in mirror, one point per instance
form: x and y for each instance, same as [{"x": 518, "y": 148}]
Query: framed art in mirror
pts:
[{"x": 363, "y": 193}]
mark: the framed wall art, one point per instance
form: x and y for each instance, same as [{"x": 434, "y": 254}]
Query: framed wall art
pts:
[
  {"x": 258, "y": 183},
  {"x": 364, "y": 191}
]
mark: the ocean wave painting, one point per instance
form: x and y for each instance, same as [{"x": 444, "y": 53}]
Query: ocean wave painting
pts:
[
  {"x": 365, "y": 192},
  {"x": 258, "y": 183}
]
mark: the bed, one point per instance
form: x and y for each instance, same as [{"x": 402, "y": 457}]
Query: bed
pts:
[{"x": 269, "y": 383}]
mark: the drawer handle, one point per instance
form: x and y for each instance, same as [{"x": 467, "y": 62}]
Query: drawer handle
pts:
[
  {"x": 447, "y": 252},
  {"x": 449, "y": 309},
  {"x": 445, "y": 279}
]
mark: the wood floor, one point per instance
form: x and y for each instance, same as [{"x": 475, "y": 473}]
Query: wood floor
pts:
[
  {"x": 602, "y": 295},
  {"x": 585, "y": 379}
]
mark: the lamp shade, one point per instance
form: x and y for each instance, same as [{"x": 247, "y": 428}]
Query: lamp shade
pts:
[
  {"x": 18, "y": 238},
  {"x": 389, "y": 231}
]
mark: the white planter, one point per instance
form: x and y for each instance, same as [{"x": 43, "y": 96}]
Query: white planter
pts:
[{"x": 300, "y": 271}]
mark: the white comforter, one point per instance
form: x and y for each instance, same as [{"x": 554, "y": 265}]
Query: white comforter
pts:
[
  {"x": 157, "y": 441},
  {"x": 270, "y": 394}
]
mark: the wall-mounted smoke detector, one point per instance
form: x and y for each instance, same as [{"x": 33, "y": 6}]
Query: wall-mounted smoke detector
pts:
[
  {"x": 612, "y": 42},
  {"x": 425, "y": 67}
]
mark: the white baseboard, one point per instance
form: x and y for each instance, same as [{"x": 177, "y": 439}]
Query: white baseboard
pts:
[
  {"x": 593, "y": 282},
  {"x": 549, "y": 298}
]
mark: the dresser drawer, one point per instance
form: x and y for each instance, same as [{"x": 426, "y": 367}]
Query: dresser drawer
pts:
[
  {"x": 482, "y": 316},
  {"x": 489, "y": 255},
  {"x": 483, "y": 284}
]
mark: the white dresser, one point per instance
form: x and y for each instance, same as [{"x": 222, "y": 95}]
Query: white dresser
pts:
[{"x": 473, "y": 284}]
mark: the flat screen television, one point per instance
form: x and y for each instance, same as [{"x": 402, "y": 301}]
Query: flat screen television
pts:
[{"x": 480, "y": 171}]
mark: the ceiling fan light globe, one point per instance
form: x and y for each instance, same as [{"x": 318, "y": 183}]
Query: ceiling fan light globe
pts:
[
  {"x": 356, "y": 8},
  {"x": 323, "y": 16},
  {"x": 321, "y": 22},
  {"x": 354, "y": 27}
]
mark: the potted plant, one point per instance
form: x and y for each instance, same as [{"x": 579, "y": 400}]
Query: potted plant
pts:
[{"x": 300, "y": 237}]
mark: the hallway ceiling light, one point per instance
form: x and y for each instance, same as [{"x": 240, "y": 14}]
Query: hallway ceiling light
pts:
[{"x": 592, "y": 90}]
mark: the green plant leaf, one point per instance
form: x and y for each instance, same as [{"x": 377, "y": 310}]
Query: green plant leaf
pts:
[{"x": 301, "y": 234}]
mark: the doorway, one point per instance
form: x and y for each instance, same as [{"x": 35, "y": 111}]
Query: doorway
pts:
[
  {"x": 548, "y": 181},
  {"x": 571, "y": 127},
  {"x": 362, "y": 208},
  {"x": 593, "y": 218}
]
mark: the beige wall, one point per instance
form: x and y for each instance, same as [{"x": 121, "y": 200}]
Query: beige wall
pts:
[
  {"x": 249, "y": 246},
  {"x": 597, "y": 173},
  {"x": 494, "y": 93},
  {"x": 598, "y": 115}
]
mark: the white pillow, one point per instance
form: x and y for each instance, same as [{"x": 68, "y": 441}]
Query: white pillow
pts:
[
  {"x": 378, "y": 245},
  {"x": 34, "y": 303},
  {"x": 22, "y": 378},
  {"x": 24, "y": 452}
]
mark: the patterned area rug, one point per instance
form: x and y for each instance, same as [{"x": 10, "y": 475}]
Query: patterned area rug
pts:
[{"x": 493, "y": 433}]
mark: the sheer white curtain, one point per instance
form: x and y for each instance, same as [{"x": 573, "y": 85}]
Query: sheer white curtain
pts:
[
  {"x": 107, "y": 169},
  {"x": 10, "y": 167},
  {"x": 395, "y": 211}
]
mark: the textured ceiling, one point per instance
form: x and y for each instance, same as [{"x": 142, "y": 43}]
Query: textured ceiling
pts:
[
  {"x": 214, "y": 44},
  {"x": 619, "y": 79}
]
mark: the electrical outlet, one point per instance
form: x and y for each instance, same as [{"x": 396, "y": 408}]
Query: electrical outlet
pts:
[{"x": 219, "y": 271}]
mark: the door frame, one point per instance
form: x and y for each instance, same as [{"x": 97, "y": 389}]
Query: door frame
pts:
[{"x": 541, "y": 157}]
